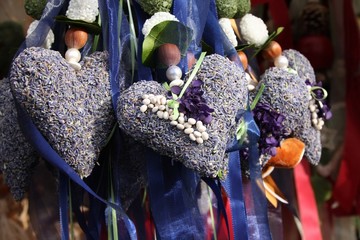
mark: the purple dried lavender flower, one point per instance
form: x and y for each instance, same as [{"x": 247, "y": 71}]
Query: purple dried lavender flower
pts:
[
  {"x": 270, "y": 123},
  {"x": 193, "y": 104}
]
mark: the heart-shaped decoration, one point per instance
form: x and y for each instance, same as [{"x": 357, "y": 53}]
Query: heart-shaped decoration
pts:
[
  {"x": 17, "y": 157},
  {"x": 225, "y": 90},
  {"x": 289, "y": 95},
  {"x": 72, "y": 109}
]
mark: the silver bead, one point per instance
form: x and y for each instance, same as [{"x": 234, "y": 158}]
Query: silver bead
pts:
[{"x": 173, "y": 72}]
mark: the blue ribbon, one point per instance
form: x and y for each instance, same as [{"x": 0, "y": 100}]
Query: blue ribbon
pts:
[
  {"x": 233, "y": 187},
  {"x": 173, "y": 202},
  {"x": 215, "y": 186},
  {"x": 109, "y": 17},
  {"x": 63, "y": 205},
  {"x": 143, "y": 72},
  {"x": 213, "y": 31},
  {"x": 257, "y": 206}
]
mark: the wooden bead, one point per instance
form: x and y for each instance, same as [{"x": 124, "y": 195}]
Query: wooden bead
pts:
[
  {"x": 272, "y": 51},
  {"x": 191, "y": 60},
  {"x": 75, "y": 38},
  {"x": 169, "y": 54},
  {"x": 243, "y": 59}
]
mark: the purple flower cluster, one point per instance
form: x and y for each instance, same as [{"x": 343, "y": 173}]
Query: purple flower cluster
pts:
[
  {"x": 193, "y": 104},
  {"x": 324, "y": 109},
  {"x": 270, "y": 123}
]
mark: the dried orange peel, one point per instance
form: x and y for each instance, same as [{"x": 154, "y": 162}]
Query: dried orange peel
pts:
[{"x": 288, "y": 155}]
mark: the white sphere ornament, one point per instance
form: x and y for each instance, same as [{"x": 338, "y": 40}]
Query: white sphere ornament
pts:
[
  {"x": 173, "y": 73},
  {"x": 73, "y": 57},
  {"x": 281, "y": 62}
]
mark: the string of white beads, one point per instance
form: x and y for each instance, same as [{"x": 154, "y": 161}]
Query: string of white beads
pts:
[
  {"x": 317, "y": 122},
  {"x": 158, "y": 105}
]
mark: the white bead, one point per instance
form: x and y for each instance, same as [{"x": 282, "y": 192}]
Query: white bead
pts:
[
  {"x": 145, "y": 96},
  {"x": 159, "y": 99},
  {"x": 198, "y": 124},
  {"x": 314, "y": 115},
  {"x": 72, "y": 55},
  {"x": 199, "y": 140},
  {"x": 181, "y": 120},
  {"x": 174, "y": 123},
  {"x": 197, "y": 134},
  {"x": 281, "y": 62},
  {"x": 153, "y": 100},
  {"x": 188, "y": 130},
  {"x": 251, "y": 87},
  {"x": 166, "y": 115},
  {"x": 315, "y": 121},
  {"x": 143, "y": 108},
  {"x": 75, "y": 65},
  {"x": 205, "y": 135},
  {"x": 155, "y": 109},
  {"x": 201, "y": 128},
  {"x": 182, "y": 115},
  {"x": 150, "y": 105},
  {"x": 160, "y": 114},
  {"x": 173, "y": 72},
  {"x": 180, "y": 126},
  {"x": 192, "y": 121},
  {"x": 248, "y": 77},
  {"x": 162, "y": 107},
  {"x": 146, "y": 101},
  {"x": 177, "y": 82},
  {"x": 312, "y": 108},
  {"x": 163, "y": 100},
  {"x": 187, "y": 125},
  {"x": 192, "y": 137}
]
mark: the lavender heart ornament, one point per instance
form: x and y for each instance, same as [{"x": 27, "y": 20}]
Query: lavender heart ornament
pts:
[
  {"x": 287, "y": 94},
  {"x": 17, "y": 157},
  {"x": 224, "y": 88},
  {"x": 72, "y": 109}
]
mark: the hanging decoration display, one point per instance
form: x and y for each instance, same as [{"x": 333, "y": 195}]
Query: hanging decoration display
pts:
[{"x": 154, "y": 118}]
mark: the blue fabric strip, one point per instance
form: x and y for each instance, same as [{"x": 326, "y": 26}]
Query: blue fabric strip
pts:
[
  {"x": 257, "y": 208},
  {"x": 143, "y": 72},
  {"x": 64, "y": 205},
  {"x": 216, "y": 189},
  {"x": 109, "y": 18},
  {"x": 233, "y": 187},
  {"x": 213, "y": 35},
  {"x": 173, "y": 204}
]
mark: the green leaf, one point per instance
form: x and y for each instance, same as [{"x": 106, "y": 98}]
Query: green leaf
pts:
[
  {"x": 176, "y": 113},
  {"x": 193, "y": 73},
  {"x": 258, "y": 96},
  {"x": 166, "y": 86},
  {"x": 165, "y": 32},
  {"x": 242, "y": 47},
  {"x": 92, "y": 28},
  {"x": 241, "y": 131},
  {"x": 175, "y": 107},
  {"x": 271, "y": 37},
  {"x": 173, "y": 104}
]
